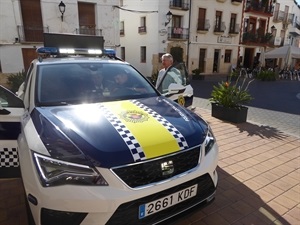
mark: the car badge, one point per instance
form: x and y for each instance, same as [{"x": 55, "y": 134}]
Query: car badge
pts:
[
  {"x": 181, "y": 100},
  {"x": 167, "y": 168},
  {"x": 134, "y": 116}
]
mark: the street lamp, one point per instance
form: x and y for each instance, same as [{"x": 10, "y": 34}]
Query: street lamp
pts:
[
  {"x": 62, "y": 9},
  {"x": 169, "y": 18}
]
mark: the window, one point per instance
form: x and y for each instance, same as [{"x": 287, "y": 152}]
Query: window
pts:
[
  {"x": 86, "y": 13},
  {"x": 201, "y": 19},
  {"x": 227, "y": 58},
  {"x": 142, "y": 28},
  {"x": 123, "y": 53},
  {"x": 232, "y": 25},
  {"x": 176, "y": 20},
  {"x": 176, "y": 74},
  {"x": 143, "y": 54},
  {"x": 218, "y": 21},
  {"x": 32, "y": 21},
  {"x": 122, "y": 30}
]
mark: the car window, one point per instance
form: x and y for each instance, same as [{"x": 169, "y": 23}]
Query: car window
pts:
[
  {"x": 9, "y": 99},
  {"x": 76, "y": 83},
  {"x": 176, "y": 74}
]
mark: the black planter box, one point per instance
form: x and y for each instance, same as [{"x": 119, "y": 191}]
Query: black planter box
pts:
[{"x": 234, "y": 115}]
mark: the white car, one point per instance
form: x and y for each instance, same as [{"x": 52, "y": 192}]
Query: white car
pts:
[{"x": 92, "y": 151}]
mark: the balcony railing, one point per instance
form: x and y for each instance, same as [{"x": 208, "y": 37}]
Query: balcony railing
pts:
[
  {"x": 278, "y": 16},
  {"x": 178, "y": 33},
  {"x": 179, "y": 4},
  {"x": 259, "y": 8},
  {"x": 203, "y": 25},
  {"x": 295, "y": 29},
  {"x": 89, "y": 30},
  {"x": 32, "y": 33},
  {"x": 290, "y": 18},
  {"x": 142, "y": 29},
  {"x": 220, "y": 28},
  {"x": 257, "y": 38},
  {"x": 234, "y": 29}
]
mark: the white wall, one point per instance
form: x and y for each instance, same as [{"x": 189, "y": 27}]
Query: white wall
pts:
[{"x": 107, "y": 19}]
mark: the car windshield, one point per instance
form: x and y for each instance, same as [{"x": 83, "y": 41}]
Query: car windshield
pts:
[{"x": 76, "y": 83}]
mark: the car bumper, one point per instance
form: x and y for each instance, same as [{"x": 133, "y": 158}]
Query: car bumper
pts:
[{"x": 116, "y": 203}]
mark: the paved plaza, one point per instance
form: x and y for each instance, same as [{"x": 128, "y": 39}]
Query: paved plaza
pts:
[{"x": 259, "y": 175}]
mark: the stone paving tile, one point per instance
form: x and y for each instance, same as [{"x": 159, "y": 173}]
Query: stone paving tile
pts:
[{"x": 259, "y": 178}]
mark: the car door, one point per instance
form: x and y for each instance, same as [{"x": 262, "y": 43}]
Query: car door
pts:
[
  {"x": 181, "y": 90},
  {"x": 11, "y": 110}
]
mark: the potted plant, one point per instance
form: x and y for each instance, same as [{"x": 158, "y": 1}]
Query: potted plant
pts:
[
  {"x": 228, "y": 99},
  {"x": 196, "y": 74}
]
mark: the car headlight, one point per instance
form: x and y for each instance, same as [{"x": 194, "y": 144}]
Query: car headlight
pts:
[
  {"x": 55, "y": 172},
  {"x": 209, "y": 140}
]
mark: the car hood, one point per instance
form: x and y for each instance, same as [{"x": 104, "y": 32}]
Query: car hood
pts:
[{"x": 116, "y": 133}]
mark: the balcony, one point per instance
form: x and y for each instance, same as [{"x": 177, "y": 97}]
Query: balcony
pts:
[
  {"x": 259, "y": 9},
  {"x": 236, "y": 2},
  {"x": 178, "y": 33},
  {"x": 179, "y": 4},
  {"x": 234, "y": 29},
  {"x": 32, "y": 33},
  {"x": 258, "y": 39},
  {"x": 203, "y": 26},
  {"x": 219, "y": 29},
  {"x": 142, "y": 29},
  {"x": 278, "y": 16},
  {"x": 290, "y": 18},
  {"x": 295, "y": 29},
  {"x": 89, "y": 30}
]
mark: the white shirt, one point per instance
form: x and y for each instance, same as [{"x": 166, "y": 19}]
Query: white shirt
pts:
[{"x": 160, "y": 76}]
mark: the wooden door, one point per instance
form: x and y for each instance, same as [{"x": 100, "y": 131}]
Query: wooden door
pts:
[{"x": 28, "y": 54}]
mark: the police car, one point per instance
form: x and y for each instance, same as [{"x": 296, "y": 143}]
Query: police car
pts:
[{"x": 94, "y": 151}]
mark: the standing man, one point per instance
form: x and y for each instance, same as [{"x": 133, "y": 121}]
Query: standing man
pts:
[
  {"x": 173, "y": 75},
  {"x": 167, "y": 61}
]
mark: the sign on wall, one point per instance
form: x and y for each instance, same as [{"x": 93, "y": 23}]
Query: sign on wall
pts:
[{"x": 224, "y": 39}]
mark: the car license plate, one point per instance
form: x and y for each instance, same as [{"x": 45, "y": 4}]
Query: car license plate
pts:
[{"x": 166, "y": 202}]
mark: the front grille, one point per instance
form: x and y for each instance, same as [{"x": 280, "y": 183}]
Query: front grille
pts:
[
  {"x": 150, "y": 171},
  {"x": 127, "y": 213}
]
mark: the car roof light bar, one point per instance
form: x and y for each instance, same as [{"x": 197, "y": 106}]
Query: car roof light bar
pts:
[
  {"x": 71, "y": 51},
  {"x": 45, "y": 52}
]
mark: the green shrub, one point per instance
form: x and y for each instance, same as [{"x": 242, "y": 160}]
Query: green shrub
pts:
[
  {"x": 15, "y": 80},
  {"x": 196, "y": 71},
  {"x": 266, "y": 75}
]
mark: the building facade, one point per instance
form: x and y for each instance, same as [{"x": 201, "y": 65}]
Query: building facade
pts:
[
  {"x": 285, "y": 28},
  {"x": 209, "y": 35},
  {"x": 151, "y": 28},
  {"x": 23, "y": 23}
]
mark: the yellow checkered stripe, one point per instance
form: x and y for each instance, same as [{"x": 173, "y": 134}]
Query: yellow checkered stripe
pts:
[{"x": 161, "y": 138}]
